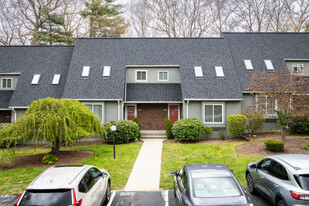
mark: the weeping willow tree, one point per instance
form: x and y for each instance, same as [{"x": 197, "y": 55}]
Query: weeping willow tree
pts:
[{"x": 53, "y": 120}]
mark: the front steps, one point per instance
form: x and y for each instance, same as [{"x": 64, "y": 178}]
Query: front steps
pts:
[{"x": 153, "y": 134}]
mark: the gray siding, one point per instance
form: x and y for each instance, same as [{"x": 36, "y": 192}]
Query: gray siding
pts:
[
  {"x": 111, "y": 111},
  {"x": 289, "y": 64},
  {"x": 14, "y": 81},
  {"x": 152, "y": 75},
  {"x": 19, "y": 114},
  {"x": 195, "y": 110},
  {"x": 249, "y": 100}
]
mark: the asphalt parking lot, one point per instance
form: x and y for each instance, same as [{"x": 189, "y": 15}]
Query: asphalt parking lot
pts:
[{"x": 119, "y": 198}]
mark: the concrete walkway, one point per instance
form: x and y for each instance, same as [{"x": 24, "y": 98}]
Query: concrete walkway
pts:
[{"x": 145, "y": 175}]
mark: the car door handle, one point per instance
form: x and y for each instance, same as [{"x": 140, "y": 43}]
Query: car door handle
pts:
[{"x": 277, "y": 186}]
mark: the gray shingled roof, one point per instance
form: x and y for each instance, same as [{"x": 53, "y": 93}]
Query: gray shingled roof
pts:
[
  {"x": 265, "y": 46},
  {"x": 153, "y": 92},
  {"x": 120, "y": 52},
  {"x": 5, "y": 97},
  {"x": 29, "y": 60}
]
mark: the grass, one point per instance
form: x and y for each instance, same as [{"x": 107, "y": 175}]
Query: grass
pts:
[
  {"x": 15, "y": 181},
  {"x": 175, "y": 155}
]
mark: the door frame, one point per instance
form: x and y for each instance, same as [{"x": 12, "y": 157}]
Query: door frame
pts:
[
  {"x": 126, "y": 110},
  {"x": 168, "y": 110}
]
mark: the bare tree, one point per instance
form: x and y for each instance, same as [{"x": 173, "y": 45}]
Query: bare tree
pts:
[
  {"x": 279, "y": 18},
  {"x": 298, "y": 11}
]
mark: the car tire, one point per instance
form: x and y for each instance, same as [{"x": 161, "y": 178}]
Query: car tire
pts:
[
  {"x": 281, "y": 203},
  {"x": 174, "y": 192},
  {"x": 250, "y": 184},
  {"x": 107, "y": 194}
]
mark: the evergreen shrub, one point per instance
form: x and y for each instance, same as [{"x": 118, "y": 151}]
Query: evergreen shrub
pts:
[
  {"x": 168, "y": 126},
  {"x": 188, "y": 129},
  {"x": 126, "y": 131},
  {"x": 274, "y": 145},
  {"x": 236, "y": 124},
  {"x": 208, "y": 131},
  {"x": 49, "y": 159}
]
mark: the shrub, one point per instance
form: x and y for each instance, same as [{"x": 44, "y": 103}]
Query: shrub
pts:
[
  {"x": 208, "y": 131},
  {"x": 168, "y": 126},
  {"x": 138, "y": 122},
  {"x": 127, "y": 131},
  {"x": 236, "y": 125},
  {"x": 49, "y": 159},
  {"x": 7, "y": 159},
  {"x": 274, "y": 145},
  {"x": 299, "y": 125},
  {"x": 255, "y": 121},
  {"x": 222, "y": 134},
  {"x": 306, "y": 148},
  {"x": 4, "y": 143},
  {"x": 188, "y": 129}
]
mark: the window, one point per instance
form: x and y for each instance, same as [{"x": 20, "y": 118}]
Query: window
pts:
[
  {"x": 198, "y": 72},
  {"x": 106, "y": 71},
  {"x": 6, "y": 83},
  {"x": 298, "y": 69},
  {"x": 96, "y": 109},
  {"x": 214, "y": 113},
  {"x": 248, "y": 64},
  {"x": 35, "y": 79},
  {"x": 184, "y": 182},
  {"x": 56, "y": 79},
  {"x": 277, "y": 170},
  {"x": 219, "y": 72},
  {"x": 264, "y": 165},
  {"x": 265, "y": 106},
  {"x": 88, "y": 180},
  {"x": 269, "y": 65},
  {"x": 163, "y": 76},
  {"x": 141, "y": 76},
  {"x": 95, "y": 173},
  {"x": 86, "y": 70}
]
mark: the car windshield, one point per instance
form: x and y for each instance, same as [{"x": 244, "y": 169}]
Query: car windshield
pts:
[
  {"x": 47, "y": 197},
  {"x": 215, "y": 187},
  {"x": 304, "y": 181}
]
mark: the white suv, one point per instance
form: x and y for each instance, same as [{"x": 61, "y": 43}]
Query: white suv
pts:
[{"x": 68, "y": 185}]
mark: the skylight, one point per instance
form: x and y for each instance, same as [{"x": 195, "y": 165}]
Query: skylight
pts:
[
  {"x": 248, "y": 64},
  {"x": 106, "y": 71},
  {"x": 56, "y": 78},
  {"x": 35, "y": 79},
  {"x": 198, "y": 71},
  {"x": 269, "y": 65},
  {"x": 86, "y": 70},
  {"x": 219, "y": 72}
]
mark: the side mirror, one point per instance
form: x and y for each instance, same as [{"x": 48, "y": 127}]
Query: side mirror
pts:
[
  {"x": 104, "y": 174},
  {"x": 253, "y": 166},
  {"x": 175, "y": 173}
]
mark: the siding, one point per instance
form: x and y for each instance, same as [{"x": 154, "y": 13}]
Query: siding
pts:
[
  {"x": 306, "y": 66},
  {"x": 111, "y": 111},
  {"x": 14, "y": 79}
]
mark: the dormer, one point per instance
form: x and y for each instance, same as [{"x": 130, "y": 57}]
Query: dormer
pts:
[{"x": 8, "y": 81}]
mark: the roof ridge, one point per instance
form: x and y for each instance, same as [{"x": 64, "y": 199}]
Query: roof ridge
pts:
[
  {"x": 265, "y": 32},
  {"x": 150, "y": 38},
  {"x": 37, "y": 46}
]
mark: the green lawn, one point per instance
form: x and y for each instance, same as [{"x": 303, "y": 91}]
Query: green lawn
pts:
[
  {"x": 15, "y": 181},
  {"x": 175, "y": 155}
]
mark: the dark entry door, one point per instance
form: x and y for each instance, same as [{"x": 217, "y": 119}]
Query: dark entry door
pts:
[
  {"x": 130, "y": 112},
  {"x": 174, "y": 113}
]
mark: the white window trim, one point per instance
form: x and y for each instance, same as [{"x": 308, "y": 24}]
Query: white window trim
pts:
[
  {"x": 106, "y": 71},
  {"x": 6, "y": 85},
  {"x": 269, "y": 65},
  {"x": 167, "y": 75},
  {"x": 300, "y": 68},
  {"x": 198, "y": 71},
  {"x": 266, "y": 106},
  {"x": 92, "y": 107},
  {"x": 204, "y": 115},
  {"x": 248, "y": 64},
  {"x": 218, "y": 72},
  {"x": 86, "y": 71},
  {"x": 168, "y": 113},
  {"x": 126, "y": 110},
  {"x": 141, "y": 71},
  {"x": 56, "y": 79},
  {"x": 36, "y": 79}
]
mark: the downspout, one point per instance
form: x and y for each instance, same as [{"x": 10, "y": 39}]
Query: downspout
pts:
[
  {"x": 187, "y": 109},
  {"x": 15, "y": 115},
  {"x": 118, "y": 110}
]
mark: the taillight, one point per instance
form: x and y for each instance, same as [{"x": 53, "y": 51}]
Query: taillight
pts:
[
  {"x": 19, "y": 199},
  {"x": 299, "y": 196},
  {"x": 76, "y": 203},
  {"x": 188, "y": 205}
]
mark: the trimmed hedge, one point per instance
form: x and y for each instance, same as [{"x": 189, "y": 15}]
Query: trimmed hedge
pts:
[
  {"x": 168, "y": 126},
  {"x": 274, "y": 145},
  {"x": 188, "y": 129},
  {"x": 208, "y": 131},
  {"x": 126, "y": 131},
  {"x": 236, "y": 124},
  {"x": 137, "y": 121},
  {"x": 299, "y": 125}
]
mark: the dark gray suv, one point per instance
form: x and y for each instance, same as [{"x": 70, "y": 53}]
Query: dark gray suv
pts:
[{"x": 282, "y": 179}]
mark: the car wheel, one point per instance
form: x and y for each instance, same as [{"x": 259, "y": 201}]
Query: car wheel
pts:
[
  {"x": 250, "y": 184},
  {"x": 108, "y": 193},
  {"x": 174, "y": 192},
  {"x": 281, "y": 203}
]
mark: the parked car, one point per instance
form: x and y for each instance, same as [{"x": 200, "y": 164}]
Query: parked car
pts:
[
  {"x": 68, "y": 185},
  {"x": 208, "y": 184},
  {"x": 282, "y": 179}
]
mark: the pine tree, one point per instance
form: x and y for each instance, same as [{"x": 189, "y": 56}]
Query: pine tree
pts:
[{"x": 104, "y": 18}]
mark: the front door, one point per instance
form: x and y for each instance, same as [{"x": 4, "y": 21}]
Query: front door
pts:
[
  {"x": 174, "y": 113},
  {"x": 130, "y": 112}
]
